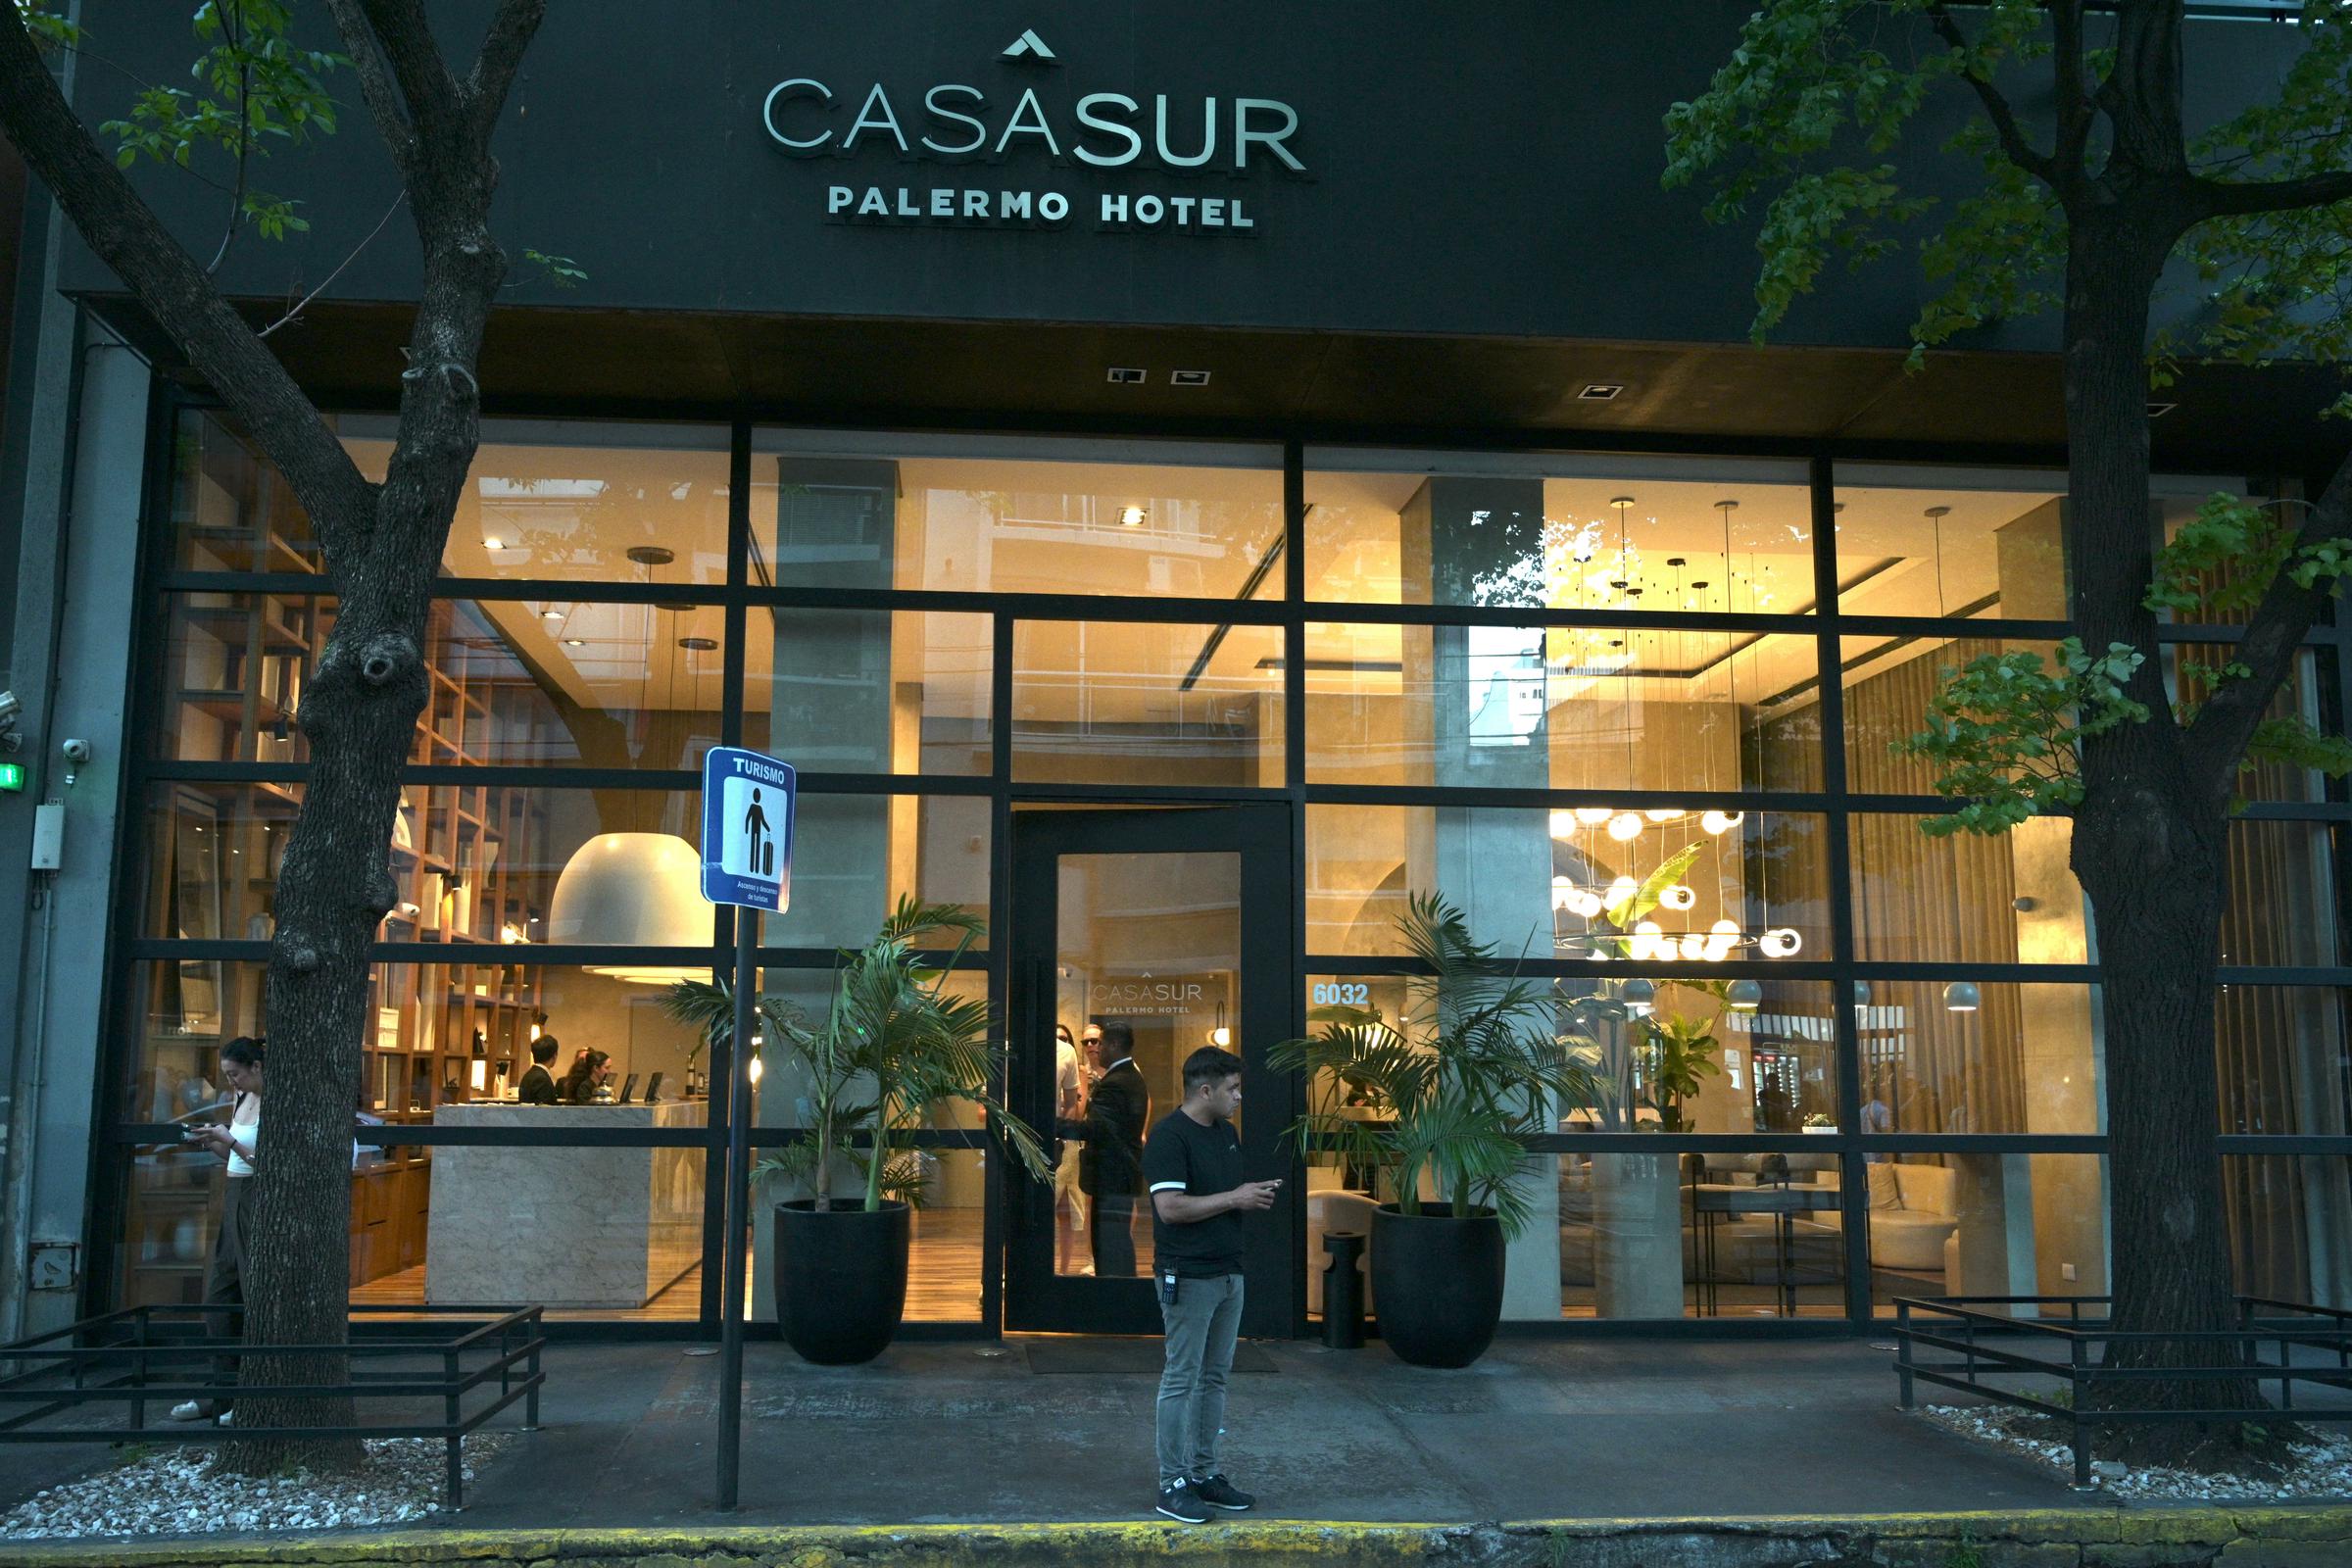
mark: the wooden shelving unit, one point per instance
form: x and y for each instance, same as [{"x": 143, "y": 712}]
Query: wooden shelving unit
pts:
[{"x": 468, "y": 876}]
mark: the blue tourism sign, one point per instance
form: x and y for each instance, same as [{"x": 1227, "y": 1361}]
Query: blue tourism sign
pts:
[{"x": 748, "y": 802}]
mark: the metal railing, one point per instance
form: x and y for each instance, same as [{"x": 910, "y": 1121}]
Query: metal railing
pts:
[
  {"x": 488, "y": 1359},
  {"x": 2072, "y": 1345}
]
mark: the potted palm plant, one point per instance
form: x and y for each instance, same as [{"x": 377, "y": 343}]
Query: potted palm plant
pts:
[
  {"x": 1474, "y": 1066},
  {"x": 894, "y": 1044}
]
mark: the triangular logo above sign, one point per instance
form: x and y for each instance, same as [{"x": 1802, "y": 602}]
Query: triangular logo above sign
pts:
[{"x": 1028, "y": 46}]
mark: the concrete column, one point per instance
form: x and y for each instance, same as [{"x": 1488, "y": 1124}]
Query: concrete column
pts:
[
  {"x": 1488, "y": 728},
  {"x": 71, "y": 671},
  {"x": 830, "y": 710}
]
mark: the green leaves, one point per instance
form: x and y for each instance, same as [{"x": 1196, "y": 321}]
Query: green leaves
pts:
[
  {"x": 559, "y": 272},
  {"x": 1475, "y": 1065},
  {"x": 2006, "y": 730},
  {"x": 255, "y": 88}
]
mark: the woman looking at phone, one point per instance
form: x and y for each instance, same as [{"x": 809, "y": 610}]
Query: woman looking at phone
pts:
[{"x": 236, "y": 1141}]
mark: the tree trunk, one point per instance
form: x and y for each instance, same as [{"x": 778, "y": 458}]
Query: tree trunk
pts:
[
  {"x": 2149, "y": 849},
  {"x": 358, "y": 714}
]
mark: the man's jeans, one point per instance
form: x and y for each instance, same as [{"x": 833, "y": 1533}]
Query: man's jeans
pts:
[{"x": 1200, "y": 1325}]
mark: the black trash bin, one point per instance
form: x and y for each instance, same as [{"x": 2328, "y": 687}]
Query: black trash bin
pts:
[{"x": 1343, "y": 1291}]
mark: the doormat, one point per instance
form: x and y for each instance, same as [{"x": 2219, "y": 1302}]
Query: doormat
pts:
[{"x": 1112, "y": 1354}]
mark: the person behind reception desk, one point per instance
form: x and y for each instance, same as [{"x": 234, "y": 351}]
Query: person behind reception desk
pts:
[
  {"x": 538, "y": 1086},
  {"x": 588, "y": 1071}
]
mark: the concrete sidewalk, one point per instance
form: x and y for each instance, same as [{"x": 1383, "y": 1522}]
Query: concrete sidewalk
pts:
[{"x": 970, "y": 1433}]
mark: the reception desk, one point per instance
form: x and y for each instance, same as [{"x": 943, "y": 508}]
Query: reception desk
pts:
[{"x": 610, "y": 1228}]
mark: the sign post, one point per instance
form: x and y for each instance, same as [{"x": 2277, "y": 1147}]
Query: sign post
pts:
[{"x": 747, "y": 808}]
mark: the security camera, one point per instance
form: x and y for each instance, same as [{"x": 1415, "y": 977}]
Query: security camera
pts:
[
  {"x": 76, "y": 750},
  {"x": 10, "y": 707}
]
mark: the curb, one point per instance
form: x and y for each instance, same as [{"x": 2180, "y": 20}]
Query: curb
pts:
[{"x": 2282, "y": 1537}]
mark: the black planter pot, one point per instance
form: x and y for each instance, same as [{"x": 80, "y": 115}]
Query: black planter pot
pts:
[
  {"x": 1437, "y": 1282},
  {"x": 841, "y": 1280}
]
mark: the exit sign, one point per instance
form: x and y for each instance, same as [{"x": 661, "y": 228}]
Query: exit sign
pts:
[{"x": 12, "y": 777}]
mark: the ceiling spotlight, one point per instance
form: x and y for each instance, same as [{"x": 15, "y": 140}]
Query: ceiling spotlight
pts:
[
  {"x": 551, "y": 614},
  {"x": 1188, "y": 378},
  {"x": 1126, "y": 375},
  {"x": 492, "y": 541},
  {"x": 576, "y": 641},
  {"x": 1602, "y": 392},
  {"x": 1132, "y": 517}
]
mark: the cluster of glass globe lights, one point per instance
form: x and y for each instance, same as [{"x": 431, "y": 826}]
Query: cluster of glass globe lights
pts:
[{"x": 1648, "y": 939}]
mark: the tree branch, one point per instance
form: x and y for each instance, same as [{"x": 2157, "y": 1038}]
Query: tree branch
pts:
[
  {"x": 503, "y": 46},
  {"x": 2218, "y": 737},
  {"x": 2014, "y": 145},
  {"x": 2075, "y": 114},
  {"x": 375, "y": 83},
  {"x": 182, "y": 301},
  {"x": 425, "y": 85},
  {"x": 236, "y": 197},
  {"x": 303, "y": 304},
  {"x": 2222, "y": 198}
]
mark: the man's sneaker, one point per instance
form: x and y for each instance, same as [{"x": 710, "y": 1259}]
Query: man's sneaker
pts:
[
  {"x": 1219, "y": 1492},
  {"x": 192, "y": 1410},
  {"x": 1181, "y": 1503}
]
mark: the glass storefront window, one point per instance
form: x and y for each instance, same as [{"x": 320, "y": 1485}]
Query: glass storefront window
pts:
[
  {"x": 2290, "y": 1226},
  {"x": 2282, "y": 1057},
  {"x": 1888, "y": 683},
  {"x": 211, "y": 859},
  {"x": 1540, "y": 883},
  {"x": 1961, "y": 544},
  {"x": 580, "y": 502},
  {"x": 230, "y": 510},
  {"x": 1980, "y": 1057},
  {"x": 2286, "y": 904},
  {"x": 1114, "y": 702},
  {"x": 840, "y": 509},
  {"x": 509, "y": 682},
  {"x": 1717, "y": 1235},
  {"x": 1560, "y": 707},
  {"x": 1966, "y": 897},
  {"x": 1559, "y": 532},
  {"x": 853, "y": 691},
  {"x": 853, "y": 856},
  {"x": 1980, "y": 1224}
]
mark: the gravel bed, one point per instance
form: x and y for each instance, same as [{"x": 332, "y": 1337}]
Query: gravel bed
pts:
[
  {"x": 2320, "y": 1467},
  {"x": 175, "y": 1491}
]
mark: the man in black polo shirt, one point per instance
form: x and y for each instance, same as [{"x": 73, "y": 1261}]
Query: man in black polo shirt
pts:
[{"x": 1193, "y": 1166}]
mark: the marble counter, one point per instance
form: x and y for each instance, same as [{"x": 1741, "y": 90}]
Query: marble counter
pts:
[{"x": 608, "y": 1228}]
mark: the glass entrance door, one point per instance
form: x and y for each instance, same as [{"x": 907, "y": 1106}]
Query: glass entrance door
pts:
[{"x": 1141, "y": 936}]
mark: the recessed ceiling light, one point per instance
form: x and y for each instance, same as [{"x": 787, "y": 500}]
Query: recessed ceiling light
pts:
[
  {"x": 1132, "y": 517},
  {"x": 1601, "y": 391},
  {"x": 2157, "y": 411},
  {"x": 551, "y": 614},
  {"x": 576, "y": 641},
  {"x": 1188, "y": 378},
  {"x": 1127, "y": 375},
  {"x": 493, "y": 543}
]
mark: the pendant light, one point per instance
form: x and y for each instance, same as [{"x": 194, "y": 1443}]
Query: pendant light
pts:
[
  {"x": 1961, "y": 995},
  {"x": 634, "y": 890}
]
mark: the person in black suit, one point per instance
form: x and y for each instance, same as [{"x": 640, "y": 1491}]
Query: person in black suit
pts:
[
  {"x": 1110, "y": 1168},
  {"x": 538, "y": 1086}
]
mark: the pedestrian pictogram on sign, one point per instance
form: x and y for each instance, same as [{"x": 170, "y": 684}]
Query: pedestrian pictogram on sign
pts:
[{"x": 748, "y": 802}]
